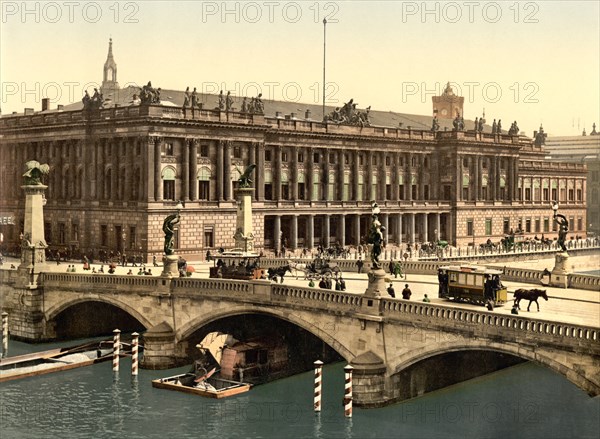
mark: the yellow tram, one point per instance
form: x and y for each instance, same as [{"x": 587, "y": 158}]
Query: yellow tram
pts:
[{"x": 472, "y": 283}]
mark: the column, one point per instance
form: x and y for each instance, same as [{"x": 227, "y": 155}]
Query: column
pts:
[
  {"x": 115, "y": 180},
  {"x": 252, "y": 161},
  {"x": 277, "y": 233},
  {"x": 492, "y": 179},
  {"x": 498, "y": 175},
  {"x": 369, "y": 179},
  {"x": 459, "y": 177},
  {"x": 227, "y": 171},
  {"x": 408, "y": 183},
  {"x": 100, "y": 169},
  {"x": 476, "y": 178},
  {"x": 399, "y": 229},
  {"x": 357, "y": 230},
  {"x": 220, "y": 168},
  {"x": 382, "y": 172},
  {"x": 194, "y": 170},
  {"x": 158, "y": 195},
  {"x": 259, "y": 149},
  {"x": 385, "y": 223},
  {"x": 293, "y": 177},
  {"x": 411, "y": 237},
  {"x": 355, "y": 174},
  {"x": 420, "y": 178},
  {"x": 185, "y": 170},
  {"x": 342, "y": 230},
  {"x": 130, "y": 169},
  {"x": 425, "y": 228},
  {"x": 516, "y": 178},
  {"x": 294, "y": 232},
  {"x": 326, "y": 230},
  {"x": 438, "y": 224},
  {"x": 396, "y": 177},
  {"x": 325, "y": 172},
  {"x": 277, "y": 173},
  {"x": 340, "y": 180},
  {"x": 310, "y": 232}
]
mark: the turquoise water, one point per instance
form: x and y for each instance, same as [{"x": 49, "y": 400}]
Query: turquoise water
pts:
[{"x": 526, "y": 401}]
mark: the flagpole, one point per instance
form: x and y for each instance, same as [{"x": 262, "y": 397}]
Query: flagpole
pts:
[{"x": 324, "y": 47}]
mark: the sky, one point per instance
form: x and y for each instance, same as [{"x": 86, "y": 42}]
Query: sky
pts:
[{"x": 534, "y": 62}]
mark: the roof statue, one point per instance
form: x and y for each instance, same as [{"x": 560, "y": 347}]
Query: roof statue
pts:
[
  {"x": 349, "y": 115},
  {"x": 150, "y": 95},
  {"x": 33, "y": 175},
  {"x": 448, "y": 90},
  {"x": 540, "y": 137}
]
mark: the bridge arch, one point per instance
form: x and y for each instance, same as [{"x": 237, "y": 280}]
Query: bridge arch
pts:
[
  {"x": 564, "y": 368},
  {"x": 325, "y": 334},
  {"x": 55, "y": 310}
]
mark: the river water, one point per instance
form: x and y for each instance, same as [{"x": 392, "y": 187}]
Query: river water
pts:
[{"x": 526, "y": 401}]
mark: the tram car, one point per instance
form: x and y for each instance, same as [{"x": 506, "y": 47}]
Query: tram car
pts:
[{"x": 472, "y": 283}]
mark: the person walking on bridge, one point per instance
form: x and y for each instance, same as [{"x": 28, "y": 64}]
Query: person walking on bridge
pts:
[{"x": 406, "y": 292}]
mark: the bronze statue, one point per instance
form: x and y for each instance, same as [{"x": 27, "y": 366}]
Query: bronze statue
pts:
[
  {"x": 33, "y": 175},
  {"x": 169, "y": 226},
  {"x": 376, "y": 236},
  {"x": 563, "y": 226},
  {"x": 244, "y": 180}
]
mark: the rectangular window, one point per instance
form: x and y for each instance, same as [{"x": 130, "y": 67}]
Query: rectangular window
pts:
[
  {"x": 401, "y": 191},
  {"x": 470, "y": 227},
  {"x": 465, "y": 193},
  {"x": 554, "y": 226},
  {"x": 546, "y": 225},
  {"x": 74, "y": 232},
  {"x": 414, "y": 192},
  {"x": 237, "y": 152},
  {"x": 284, "y": 157},
  {"x": 331, "y": 158},
  {"x": 400, "y": 161},
  {"x": 506, "y": 226},
  {"x": 488, "y": 226},
  {"x": 579, "y": 224},
  {"x": 426, "y": 192},
  {"x": 268, "y": 191},
  {"x": 388, "y": 191},
  {"x": 374, "y": 161},
  {"x": 132, "y": 237},
  {"x": 104, "y": 235},
  {"x": 316, "y": 157},
  {"x": 267, "y": 155},
  {"x": 388, "y": 160},
  {"x": 554, "y": 194},
  {"x": 209, "y": 237},
  {"x": 484, "y": 193},
  {"x": 62, "y": 238},
  {"x": 447, "y": 192},
  {"x": 285, "y": 191},
  {"x": 168, "y": 189},
  {"x": 301, "y": 191},
  {"x": 527, "y": 194},
  {"x": 361, "y": 160},
  {"x": 204, "y": 190},
  {"x": 48, "y": 232},
  {"x": 300, "y": 157},
  {"x": 528, "y": 225},
  {"x": 374, "y": 191},
  {"x": 571, "y": 195},
  {"x": 563, "y": 194},
  {"x": 546, "y": 193},
  {"x": 167, "y": 149},
  {"x": 204, "y": 150},
  {"x": 538, "y": 228},
  {"x": 346, "y": 159}
]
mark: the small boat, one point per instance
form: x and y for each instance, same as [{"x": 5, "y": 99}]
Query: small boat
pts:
[
  {"x": 54, "y": 360},
  {"x": 207, "y": 386}
]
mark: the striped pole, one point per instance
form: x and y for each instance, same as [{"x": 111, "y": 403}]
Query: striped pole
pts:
[
  {"x": 318, "y": 372},
  {"x": 134, "y": 353},
  {"x": 4, "y": 334},
  {"x": 348, "y": 391},
  {"x": 116, "y": 349}
]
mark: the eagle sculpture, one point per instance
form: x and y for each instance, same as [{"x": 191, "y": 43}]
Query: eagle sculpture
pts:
[{"x": 34, "y": 172}]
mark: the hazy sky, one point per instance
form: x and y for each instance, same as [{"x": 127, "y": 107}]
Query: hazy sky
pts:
[{"x": 534, "y": 62}]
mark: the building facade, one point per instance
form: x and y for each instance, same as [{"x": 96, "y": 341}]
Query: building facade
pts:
[{"x": 117, "y": 172}]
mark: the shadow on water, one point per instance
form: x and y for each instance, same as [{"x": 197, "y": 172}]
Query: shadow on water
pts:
[{"x": 527, "y": 401}]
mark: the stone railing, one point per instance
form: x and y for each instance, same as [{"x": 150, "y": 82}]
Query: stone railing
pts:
[
  {"x": 485, "y": 323},
  {"x": 308, "y": 295},
  {"x": 584, "y": 282},
  {"x": 70, "y": 281}
]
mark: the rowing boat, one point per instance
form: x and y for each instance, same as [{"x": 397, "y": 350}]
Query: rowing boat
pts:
[
  {"x": 209, "y": 387},
  {"x": 53, "y": 360}
]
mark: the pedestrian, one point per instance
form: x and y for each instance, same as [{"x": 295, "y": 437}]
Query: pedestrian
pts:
[
  {"x": 406, "y": 292},
  {"x": 391, "y": 291},
  {"x": 94, "y": 270},
  {"x": 311, "y": 283},
  {"x": 154, "y": 261},
  {"x": 338, "y": 287},
  {"x": 360, "y": 264},
  {"x": 322, "y": 283},
  {"x": 101, "y": 269},
  {"x": 426, "y": 299},
  {"x": 515, "y": 309},
  {"x": 342, "y": 284},
  {"x": 208, "y": 255},
  {"x": 398, "y": 270},
  {"x": 130, "y": 272},
  {"x": 140, "y": 272}
]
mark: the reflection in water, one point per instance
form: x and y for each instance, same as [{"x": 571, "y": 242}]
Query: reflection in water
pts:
[{"x": 528, "y": 401}]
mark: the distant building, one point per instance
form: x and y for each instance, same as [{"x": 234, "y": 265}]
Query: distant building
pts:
[
  {"x": 117, "y": 172},
  {"x": 581, "y": 149},
  {"x": 448, "y": 105}
]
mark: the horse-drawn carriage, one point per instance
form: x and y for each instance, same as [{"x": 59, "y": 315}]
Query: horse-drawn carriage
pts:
[
  {"x": 237, "y": 265},
  {"x": 318, "y": 268},
  {"x": 472, "y": 283}
]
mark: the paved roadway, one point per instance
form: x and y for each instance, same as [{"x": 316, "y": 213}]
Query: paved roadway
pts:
[{"x": 564, "y": 305}]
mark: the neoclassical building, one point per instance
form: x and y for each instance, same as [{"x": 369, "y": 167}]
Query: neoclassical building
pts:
[{"x": 117, "y": 172}]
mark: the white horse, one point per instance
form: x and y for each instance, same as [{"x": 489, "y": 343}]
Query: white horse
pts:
[{"x": 298, "y": 267}]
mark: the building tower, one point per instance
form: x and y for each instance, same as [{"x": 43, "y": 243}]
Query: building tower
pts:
[
  {"x": 109, "y": 81},
  {"x": 448, "y": 105}
]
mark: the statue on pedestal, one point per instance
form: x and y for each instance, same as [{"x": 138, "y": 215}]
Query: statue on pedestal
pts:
[
  {"x": 244, "y": 180},
  {"x": 563, "y": 226},
  {"x": 33, "y": 175},
  {"x": 169, "y": 226},
  {"x": 376, "y": 236}
]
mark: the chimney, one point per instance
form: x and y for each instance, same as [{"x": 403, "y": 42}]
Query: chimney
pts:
[
  {"x": 307, "y": 114},
  {"x": 14, "y": 112},
  {"x": 293, "y": 115},
  {"x": 28, "y": 111},
  {"x": 45, "y": 104},
  {"x": 60, "y": 107},
  {"x": 278, "y": 114},
  {"x": 288, "y": 116}
]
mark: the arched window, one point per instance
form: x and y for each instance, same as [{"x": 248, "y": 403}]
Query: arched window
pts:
[
  {"x": 168, "y": 177},
  {"x": 331, "y": 186},
  {"x": 301, "y": 186},
  {"x": 361, "y": 187},
  {"x": 203, "y": 177},
  {"x": 316, "y": 193},
  {"x": 268, "y": 185},
  {"x": 285, "y": 186}
]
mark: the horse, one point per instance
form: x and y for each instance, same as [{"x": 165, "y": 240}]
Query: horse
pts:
[
  {"x": 273, "y": 273},
  {"x": 298, "y": 267},
  {"x": 532, "y": 295}
]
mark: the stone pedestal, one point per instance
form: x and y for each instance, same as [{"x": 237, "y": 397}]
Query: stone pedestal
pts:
[
  {"x": 376, "y": 287},
  {"x": 560, "y": 273},
  {"x": 159, "y": 348},
  {"x": 368, "y": 380},
  {"x": 33, "y": 242},
  {"x": 244, "y": 237},
  {"x": 170, "y": 266}
]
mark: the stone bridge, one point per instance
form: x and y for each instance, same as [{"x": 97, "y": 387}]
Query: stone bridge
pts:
[{"x": 397, "y": 347}]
